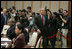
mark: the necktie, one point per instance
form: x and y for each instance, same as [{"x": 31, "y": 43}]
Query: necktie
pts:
[{"x": 43, "y": 20}]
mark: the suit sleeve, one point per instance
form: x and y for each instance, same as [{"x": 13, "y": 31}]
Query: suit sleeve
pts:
[
  {"x": 36, "y": 27},
  {"x": 2, "y": 22}
]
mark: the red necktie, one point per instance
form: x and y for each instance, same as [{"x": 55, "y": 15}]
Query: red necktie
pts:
[{"x": 43, "y": 20}]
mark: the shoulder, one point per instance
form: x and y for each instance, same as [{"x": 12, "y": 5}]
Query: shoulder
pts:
[
  {"x": 2, "y": 14},
  {"x": 20, "y": 36},
  {"x": 37, "y": 16}
]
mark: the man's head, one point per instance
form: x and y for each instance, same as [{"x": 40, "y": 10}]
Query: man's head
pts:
[
  {"x": 60, "y": 10},
  {"x": 20, "y": 12},
  {"x": 4, "y": 11},
  {"x": 29, "y": 9},
  {"x": 14, "y": 11},
  {"x": 54, "y": 15},
  {"x": 11, "y": 22},
  {"x": 23, "y": 11},
  {"x": 65, "y": 12},
  {"x": 13, "y": 7},
  {"x": 42, "y": 11}
]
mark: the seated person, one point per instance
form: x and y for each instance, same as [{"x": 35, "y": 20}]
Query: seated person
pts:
[
  {"x": 11, "y": 31},
  {"x": 19, "y": 41}
]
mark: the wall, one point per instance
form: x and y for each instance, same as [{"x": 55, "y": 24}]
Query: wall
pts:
[{"x": 36, "y": 5}]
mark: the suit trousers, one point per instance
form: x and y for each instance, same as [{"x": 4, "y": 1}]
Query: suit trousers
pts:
[
  {"x": 64, "y": 41},
  {"x": 45, "y": 40}
]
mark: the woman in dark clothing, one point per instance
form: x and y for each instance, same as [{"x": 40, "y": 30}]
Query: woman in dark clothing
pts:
[{"x": 19, "y": 41}]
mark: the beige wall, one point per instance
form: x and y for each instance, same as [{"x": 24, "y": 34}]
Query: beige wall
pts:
[
  {"x": 36, "y": 5},
  {"x": 10, "y": 4},
  {"x": 3, "y": 4}
]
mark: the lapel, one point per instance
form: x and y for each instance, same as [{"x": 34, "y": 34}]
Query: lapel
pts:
[
  {"x": 3, "y": 17},
  {"x": 40, "y": 19}
]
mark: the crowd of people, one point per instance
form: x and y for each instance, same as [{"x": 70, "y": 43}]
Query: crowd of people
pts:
[{"x": 45, "y": 23}]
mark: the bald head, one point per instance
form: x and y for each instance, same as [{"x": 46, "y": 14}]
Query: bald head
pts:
[
  {"x": 10, "y": 22},
  {"x": 4, "y": 11},
  {"x": 42, "y": 11}
]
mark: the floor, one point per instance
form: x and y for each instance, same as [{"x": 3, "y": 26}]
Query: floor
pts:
[{"x": 58, "y": 45}]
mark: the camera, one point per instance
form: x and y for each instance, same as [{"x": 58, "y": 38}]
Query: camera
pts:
[{"x": 59, "y": 21}]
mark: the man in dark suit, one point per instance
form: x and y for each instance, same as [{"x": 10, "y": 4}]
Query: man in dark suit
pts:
[
  {"x": 41, "y": 25},
  {"x": 4, "y": 18}
]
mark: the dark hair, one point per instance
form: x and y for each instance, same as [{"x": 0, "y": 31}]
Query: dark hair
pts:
[
  {"x": 55, "y": 13},
  {"x": 13, "y": 7},
  {"x": 20, "y": 10},
  {"x": 23, "y": 10},
  {"x": 37, "y": 13},
  {"x": 47, "y": 9},
  {"x": 60, "y": 10},
  {"x": 1, "y": 9},
  {"x": 29, "y": 7},
  {"x": 33, "y": 13},
  {"x": 20, "y": 27},
  {"x": 66, "y": 11}
]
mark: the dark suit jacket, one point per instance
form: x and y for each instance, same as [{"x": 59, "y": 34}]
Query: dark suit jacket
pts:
[
  {"x": 11, "y": 32},
  {"x": 3, "y": 20},
  {"x": 39, "y": 25},
  {"x": 20, "y": 41},
  {"x": 52, "y": 27}
]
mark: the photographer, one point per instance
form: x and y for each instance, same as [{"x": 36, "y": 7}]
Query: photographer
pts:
[
  {"x": 29, "y": 10},
  {"x": 53, "y": 29},
  {"x": 65, "y": 25},
  {"x": 59, "y": 21}
]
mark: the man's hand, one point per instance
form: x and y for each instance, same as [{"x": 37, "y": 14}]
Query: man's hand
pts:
[
  {"x": 38, "y": 31},
  {"x": 48, "y": 17},
  {"x": 65, "y": 21}
]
